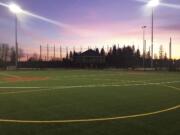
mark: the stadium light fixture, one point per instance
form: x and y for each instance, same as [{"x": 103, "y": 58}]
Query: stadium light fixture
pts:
[
  {"x": 15, "y": 9},
  {"x": 153, "y": 3}
]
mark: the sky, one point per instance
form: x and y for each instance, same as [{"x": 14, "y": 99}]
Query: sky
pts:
[{"x": 91, "y": 23}]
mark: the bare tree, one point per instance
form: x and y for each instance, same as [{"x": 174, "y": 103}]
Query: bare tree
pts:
[
  {"x": 12, "y": 55},
  {"x": 4, "y": 52}
]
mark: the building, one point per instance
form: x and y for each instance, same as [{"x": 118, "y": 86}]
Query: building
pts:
[{"x": 89, "y": 58}]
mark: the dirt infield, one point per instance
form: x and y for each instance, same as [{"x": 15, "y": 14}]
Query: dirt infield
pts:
[{"x": 22, "y": 79}]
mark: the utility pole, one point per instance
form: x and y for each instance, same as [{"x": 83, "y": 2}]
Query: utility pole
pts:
[
  {"x": 170, "y": 49},
  {"x": 54, "y": 51},
  {"x": 47, "y": 52},
  {"x": 152, "y": 38},
  {"x": 144, "y": 45},
  {"x": 40, "y": 53},
  {"x": 60, "y": 53},
  {"x": 16, "y": 41},
  {"x": 145, "y": 53}
]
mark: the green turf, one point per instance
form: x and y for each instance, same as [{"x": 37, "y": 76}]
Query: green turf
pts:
[{"x": 94, "y": 94}]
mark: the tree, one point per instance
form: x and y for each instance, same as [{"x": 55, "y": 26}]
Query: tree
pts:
[
  {"x": 12, "y": 55},
  {"x": 138, "y": 58},
  {"x": 20, "y": 53},
  {"x": 97, "y": 50},
  {"x": 102, "y": 52},
  {"x": 34, "y": 57},
  {"x": 4, "y": 52},
  {"x": 71, "y": 55}
]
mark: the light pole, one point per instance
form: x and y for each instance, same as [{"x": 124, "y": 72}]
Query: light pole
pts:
[
  {"x": 16, "y": 41},
  {"x": 152, "y": 4},
  {"x": 144, "y": 45},
  {"x": 152, "y": 38},
  {"x": 16, "y": 10}
]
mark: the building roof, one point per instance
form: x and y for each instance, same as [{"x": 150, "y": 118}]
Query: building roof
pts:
[{"x": 90, "y": 52}]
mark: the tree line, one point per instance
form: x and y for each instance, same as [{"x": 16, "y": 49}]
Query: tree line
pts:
[
  {"x": 8, "y": 55},
  {"x": 115, "y": 57}
]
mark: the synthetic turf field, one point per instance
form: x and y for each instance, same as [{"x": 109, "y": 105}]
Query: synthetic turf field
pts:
[{"x": 89, "y": 102}]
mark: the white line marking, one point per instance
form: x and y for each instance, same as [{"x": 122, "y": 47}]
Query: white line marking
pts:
[
  {"x": 9, "y": 75},
  {"x": 93, "y": 85},
  {"x": 41, "y": 89},
  {"x": 21, "y": 87},
  {"x": 172, "y": 87}
]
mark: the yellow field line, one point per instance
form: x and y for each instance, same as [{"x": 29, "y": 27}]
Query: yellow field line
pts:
[
  {"x": 93, "y": 119},
  {"x": 90, "y": 120}
]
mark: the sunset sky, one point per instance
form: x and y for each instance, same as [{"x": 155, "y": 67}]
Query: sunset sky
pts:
[{"x": 93, "y": 23}]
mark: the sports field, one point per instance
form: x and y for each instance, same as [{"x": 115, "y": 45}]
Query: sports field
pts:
[{"x": 89, "y": 102}]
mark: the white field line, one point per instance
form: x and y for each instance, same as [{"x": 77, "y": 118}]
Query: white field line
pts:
[
  {"x": 123, "y": 81},
  {"x": 172, "y": 87},
  {"x": 88, "y": 75},
  {"x": 41, "y": 89},
  {"x": 92, "y": 85},
  {"x": 9, "y": 75},
  {"x": 21, "y": 87},
  {"x": 94, "y": 79},
  {"x": 102, "y": 79}
]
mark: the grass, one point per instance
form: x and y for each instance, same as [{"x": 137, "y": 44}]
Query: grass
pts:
[{"x": 53, "y": 101}]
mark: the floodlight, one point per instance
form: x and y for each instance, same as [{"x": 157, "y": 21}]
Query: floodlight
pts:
[
  {"x": 15, "y": 8},
  {"x": 153, "y": 3}
]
